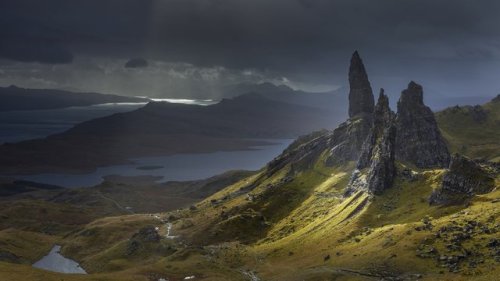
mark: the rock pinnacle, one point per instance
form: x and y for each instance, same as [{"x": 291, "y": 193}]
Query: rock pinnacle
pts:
[{"x": 361, "y": 99}]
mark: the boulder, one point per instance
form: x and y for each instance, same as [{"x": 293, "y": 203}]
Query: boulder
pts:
[
  {"x": 147, "y": 234},
  {"x": 144, "y": 236},
  {"x": 463, "y": 180}
]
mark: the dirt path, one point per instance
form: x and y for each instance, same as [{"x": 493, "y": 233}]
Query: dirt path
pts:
[{"x": 116, "y": 203}]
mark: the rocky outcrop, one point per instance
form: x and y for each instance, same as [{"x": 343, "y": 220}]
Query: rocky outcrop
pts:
[
  {"x": 360, "y": 95},
  {"x": 145, "y": 235},
  {"x": 383, "y": 118},
  {"x": 464, "y": 179},
  {"x": 373, "y": 136},
  {"x": 476, "y": 113},
  {"x": 419, "y": 141},
  {"x": 375, "y": 169},
  {"x": 347, "y": 140},
  {"x": 302, "y": 154}
]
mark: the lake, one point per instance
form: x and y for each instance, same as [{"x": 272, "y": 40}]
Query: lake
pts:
[
  {"x": 179, "y": 167},
  {"x": 23, "y": 125},
  {"x": 54, "y": 261}
]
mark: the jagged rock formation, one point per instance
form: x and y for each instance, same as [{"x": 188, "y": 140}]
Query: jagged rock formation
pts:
[
  {"x": 360, "y": 95},
  {"x": 375, "y": 169},
  {"x": 383, "y": 119},
  {"x": 418, "y": 141},
  {"x": 464, "y": 179},
  {"x": 375, "y": 137},
  {"x": 348, "y": 138}
]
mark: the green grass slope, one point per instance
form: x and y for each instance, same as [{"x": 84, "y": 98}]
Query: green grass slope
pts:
[
  {"x": 302, "y": 229},
  {"x": 473, "y": 130}
]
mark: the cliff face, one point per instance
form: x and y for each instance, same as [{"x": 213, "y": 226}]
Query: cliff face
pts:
[{"x": 418, "y": 141}]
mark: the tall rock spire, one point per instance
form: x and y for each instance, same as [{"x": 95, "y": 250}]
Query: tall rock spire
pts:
[
  {"x": 419, "y": 141},
  {"x": 348, "y": 138},
  {"x": 360, "y": 95}
]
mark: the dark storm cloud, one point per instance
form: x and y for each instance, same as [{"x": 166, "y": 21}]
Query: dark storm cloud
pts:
[
  {"x": 258, "y": 33},
  {"x": 307, "y": 40},
  {"x": 28, "y": 42},
  {"x": 136, "y": 63},
  {"x": 52, "y": 31}
]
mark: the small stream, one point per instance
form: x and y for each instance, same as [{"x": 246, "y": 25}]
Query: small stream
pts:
[{"x": 54, "y": 261}]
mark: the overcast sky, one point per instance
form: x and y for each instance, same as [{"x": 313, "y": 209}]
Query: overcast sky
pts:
[{"x": 193, "y": 48}]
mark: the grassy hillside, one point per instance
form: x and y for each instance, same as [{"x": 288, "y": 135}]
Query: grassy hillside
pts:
[
  {"x": 288, "y": 221},
  {"x": 322, "y": 237},
  {"x": 473, "y": 130}
]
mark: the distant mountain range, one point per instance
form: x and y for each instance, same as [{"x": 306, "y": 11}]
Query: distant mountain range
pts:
[
  {"x": 162, "y": 128},
  {"x": 251, "y": 115},
  {"x": 333, "y": 100},
  {"x": 15, "y": 98},
  {"x": 262, "y": 111}
]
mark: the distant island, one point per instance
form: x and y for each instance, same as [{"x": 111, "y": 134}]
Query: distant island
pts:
[
  {"x": 15, "y": 98},
  {"x": 149, "y": 168}
]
